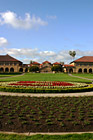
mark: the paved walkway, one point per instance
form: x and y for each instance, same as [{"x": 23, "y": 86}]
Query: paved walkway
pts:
[
  {"x": 12, "y": 76},
  {"x": 47, "y": 133},
  {"x": 48, "y": 94},
  {"x": 79, "y": 77}
]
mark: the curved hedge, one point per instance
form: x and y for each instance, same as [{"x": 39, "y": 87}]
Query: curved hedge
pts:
[{"x": 47, "y": 90}]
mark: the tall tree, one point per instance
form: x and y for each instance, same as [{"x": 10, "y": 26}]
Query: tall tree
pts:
[
  {"x": 72, "y": 53},
  {"x": 31, "y": 61}
]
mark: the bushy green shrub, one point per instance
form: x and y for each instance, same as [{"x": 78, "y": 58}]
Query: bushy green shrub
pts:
[
  {"x": 34, "y": 69},
  {"x": 57, "y": 68}
]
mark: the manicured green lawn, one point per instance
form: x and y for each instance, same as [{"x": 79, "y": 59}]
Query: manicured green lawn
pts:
[
  {"x": 86, "y": 136},
  {"x": 45, "y": 77},
  {"x": 4, "y": 76},
  {"x": 90, "y": 76},
  {"x": 8, "y": 74}
]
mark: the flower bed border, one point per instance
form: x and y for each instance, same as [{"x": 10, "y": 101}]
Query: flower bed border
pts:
[
  {"x": 47, "y": 90},
  {"x": 75, "y": 87}
]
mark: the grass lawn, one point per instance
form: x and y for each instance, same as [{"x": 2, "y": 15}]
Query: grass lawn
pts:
[
  {"x": 5, "y": 76},
  {"x": 85, "y": 75},
  {"x": 8, "y": 74},
  {"x": 45, "y": 77},
  {"x": 86, "y": 136}
]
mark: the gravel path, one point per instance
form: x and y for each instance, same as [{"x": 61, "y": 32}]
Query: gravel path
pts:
[{"x": 48, "y": 95}]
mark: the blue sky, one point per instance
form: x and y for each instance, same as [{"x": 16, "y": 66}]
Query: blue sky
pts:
[{"x": 42, "y": 30}]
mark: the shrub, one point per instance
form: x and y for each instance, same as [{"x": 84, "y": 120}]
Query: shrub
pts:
[
  {"x": 34, "y": 69},
  {"x": 57, "y": 68}
]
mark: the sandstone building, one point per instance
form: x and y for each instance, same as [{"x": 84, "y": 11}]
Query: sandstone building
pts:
[
  {"x": 10, "y": 64},
  {"x": 82, "y": 65}
]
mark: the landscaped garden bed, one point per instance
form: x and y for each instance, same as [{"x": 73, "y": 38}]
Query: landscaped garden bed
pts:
[
  {"x": 43, "y": 84},
  {"x": 52, "y": 84},
  {"x": 26, "y": 114},
  {"x": 44, "y": 87}
]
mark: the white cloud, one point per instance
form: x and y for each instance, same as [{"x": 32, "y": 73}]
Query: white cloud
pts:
[
  {"x": 51, "y": 17},
  {"x": 23, "y": 53},
  {"x": 47, "y": 53},
  {"x": 84, "y": 53},
  {"x": 3, "y": 42},
  {"x": 28, "y": 22},
  {"x": 27, "y": 54}
]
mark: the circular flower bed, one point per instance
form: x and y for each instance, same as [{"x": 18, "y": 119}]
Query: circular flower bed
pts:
[
  {"x": 42, "y": 84},
  {"x": 44, "y": 87}
]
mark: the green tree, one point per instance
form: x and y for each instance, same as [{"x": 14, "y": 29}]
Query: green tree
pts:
[
  {"x": 57, "y": 68},
  {"x": 72, "y": 53},
  {"x": 34, "y": 69},
  {"x": 31, "y": 61}
]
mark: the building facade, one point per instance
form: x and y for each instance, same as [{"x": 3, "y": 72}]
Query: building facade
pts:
[
  {"x": 83, "y": 65},
  {"x": 9, "y": 64},
  {"x": 46, "y": 67}
]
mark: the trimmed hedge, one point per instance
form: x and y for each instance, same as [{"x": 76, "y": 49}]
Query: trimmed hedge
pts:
[{"x": 41, "y": 90}]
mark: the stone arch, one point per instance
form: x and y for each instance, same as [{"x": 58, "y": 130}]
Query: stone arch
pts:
[
  {"x": 90, "y": 70},
  {"x": 21, "y": 70},
  {"x": 1, "y": 69},
  {"x": 85, "y": 70},
  {"x": 70, "y": 70},
  {"x": 26, "y": 70},
  {"x": 6, "y": 69},
  {"x": 11, "y": 69},
  {"x": 80, "y": 70}
]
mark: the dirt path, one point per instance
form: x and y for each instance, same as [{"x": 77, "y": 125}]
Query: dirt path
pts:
[
  {"x": 80, "y": 77},
  {"x": 48, "y": 94}
]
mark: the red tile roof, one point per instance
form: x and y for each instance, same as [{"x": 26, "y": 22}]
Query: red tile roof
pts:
[
  {"x": 85, "y": 59},
  {"x": 41, "y": 64},
  {"x": 56, "y": 63},
  {"x": 68, "y": 65},
  {"x": 8, "y": 58},
  {"x": 36, "y": 63},
  {"x": 46, "y": 62}
]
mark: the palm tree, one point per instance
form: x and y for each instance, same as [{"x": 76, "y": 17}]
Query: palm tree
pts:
[{"x": 72, "y": 53}]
